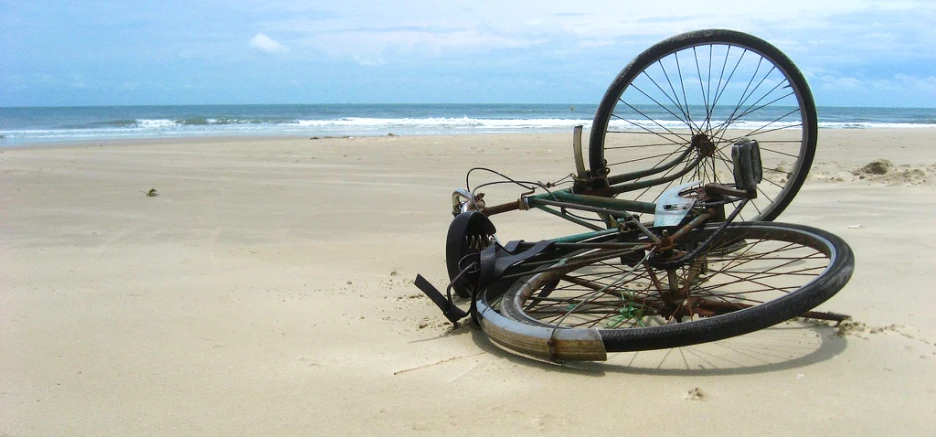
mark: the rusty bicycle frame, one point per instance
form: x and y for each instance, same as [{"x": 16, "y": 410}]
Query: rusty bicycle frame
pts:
[{"x": 594, "y": 194}]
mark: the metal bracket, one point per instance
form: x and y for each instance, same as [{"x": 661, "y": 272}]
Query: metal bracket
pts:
[
  {"x": 672, "y": 207},
  {"x": 577, "y": 150}
]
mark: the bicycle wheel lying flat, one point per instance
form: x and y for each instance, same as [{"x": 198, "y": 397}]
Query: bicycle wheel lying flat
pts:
[
  {"x": 673, "y": 113},
  {"x": 754, "y": 276}
]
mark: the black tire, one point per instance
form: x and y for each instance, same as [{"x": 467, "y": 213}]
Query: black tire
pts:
[
  {"x": 757, "y": 274},
  {"x": 705, "y": 90}
]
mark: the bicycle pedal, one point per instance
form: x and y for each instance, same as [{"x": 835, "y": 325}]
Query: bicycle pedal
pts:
[{"x": 748, "y": 171}]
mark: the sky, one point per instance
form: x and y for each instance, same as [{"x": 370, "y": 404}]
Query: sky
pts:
[{"x": 171, "y": 52}]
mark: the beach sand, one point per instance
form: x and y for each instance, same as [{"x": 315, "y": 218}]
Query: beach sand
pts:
[{"x": 267, "y": 290}]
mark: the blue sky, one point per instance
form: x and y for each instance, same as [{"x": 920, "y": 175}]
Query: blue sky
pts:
[{"x": 853, "y": 53}]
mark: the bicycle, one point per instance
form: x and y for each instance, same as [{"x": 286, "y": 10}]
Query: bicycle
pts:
[{"x": 701, "y": 270}]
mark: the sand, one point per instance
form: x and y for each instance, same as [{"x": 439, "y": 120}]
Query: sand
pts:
[{"x": 267, "y": 290}]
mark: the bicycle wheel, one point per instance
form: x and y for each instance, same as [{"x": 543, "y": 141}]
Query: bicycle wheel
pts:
[
  {"x": 673, "y": 113},
  {"x": 754, "y": 276}
]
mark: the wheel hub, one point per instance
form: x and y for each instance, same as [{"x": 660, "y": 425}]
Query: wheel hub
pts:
[{"x": 703, "y": 144}]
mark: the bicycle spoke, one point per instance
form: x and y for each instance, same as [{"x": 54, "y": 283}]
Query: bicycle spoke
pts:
[
  {"x": 707, "y": 95},
  {"x": 609, "y": 295}
]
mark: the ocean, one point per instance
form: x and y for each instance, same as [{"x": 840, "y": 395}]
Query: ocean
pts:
[{"x": 36, "y": 125}]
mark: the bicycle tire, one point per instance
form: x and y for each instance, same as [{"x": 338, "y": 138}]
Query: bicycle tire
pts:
[
  {"x": 828, "y": 260},
  {"x": 705, "y": 90}
]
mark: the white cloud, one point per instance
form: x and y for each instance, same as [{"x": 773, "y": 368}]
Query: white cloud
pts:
[
  {"x": 77, "y": 80},
  {"x": 265, "y": 44},
  {"x": 926, "y": 84},
  {"x": 375, "y": 46},
  {"x": 369, "y": 61},
  {"x": 861, "y": 89},
  {"x": 384, "y": 31}
]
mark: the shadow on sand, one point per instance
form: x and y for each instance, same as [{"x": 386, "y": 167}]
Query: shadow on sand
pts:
[{"x": 789, "y": 345}]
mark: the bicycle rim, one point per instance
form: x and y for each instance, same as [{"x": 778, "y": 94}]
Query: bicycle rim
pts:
[
  {"x": 756, "y": 275},
  {"x": 679, "y": 107}
]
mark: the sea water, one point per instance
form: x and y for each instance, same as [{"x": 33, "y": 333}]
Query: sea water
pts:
[{"x": 32, "y": 125}]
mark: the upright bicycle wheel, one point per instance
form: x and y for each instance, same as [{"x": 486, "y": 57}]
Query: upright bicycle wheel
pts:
[
  {"x": 755, "y": 275},
  {"x": 672, "y": 115}
]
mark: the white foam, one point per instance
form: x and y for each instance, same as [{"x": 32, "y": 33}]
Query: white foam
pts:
[
  {"x": 441, "y": 123},
  {"x": 155, "y": 123},
  {"x": 862, "y": 125},
  {"x": 377, "y": 126}
]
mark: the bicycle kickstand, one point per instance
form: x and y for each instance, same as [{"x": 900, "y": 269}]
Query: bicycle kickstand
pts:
[{"x": 451, "y": 312}]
